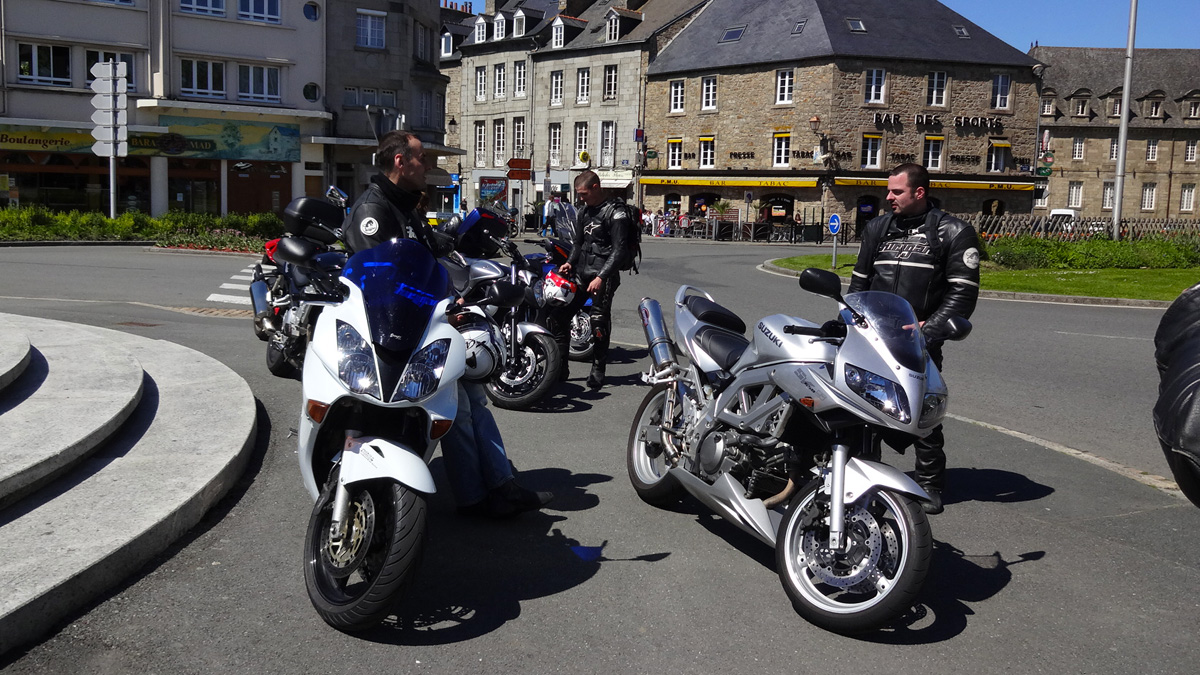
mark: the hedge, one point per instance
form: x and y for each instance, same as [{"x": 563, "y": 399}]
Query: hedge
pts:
[{"x": 1095, "y": 253}]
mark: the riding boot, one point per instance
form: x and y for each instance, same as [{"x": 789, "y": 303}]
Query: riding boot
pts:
[{"x": 931, "y": 468}]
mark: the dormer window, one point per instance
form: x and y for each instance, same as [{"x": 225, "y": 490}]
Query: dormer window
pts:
[
  {"x": 614, "y": 28},
  {"x": 1153, "y": 108},
  {"x": 961, "y": 31},
  {"x": 856, "y": 25},
  {"x": 1116, "y": 107},
  {"x": 447, "y": 44},
  {"x": 1193, "y": 108},
  {"x": 556, "y": 35},
  {"x": 518, "y": 24},
  {"x": 498, "y": 28},
  {"x": 480, "y": 30},
  {"x": 1081, "y": 107}
]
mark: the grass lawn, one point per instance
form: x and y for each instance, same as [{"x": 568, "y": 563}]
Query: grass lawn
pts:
[{"x": 1142, "y": 284}]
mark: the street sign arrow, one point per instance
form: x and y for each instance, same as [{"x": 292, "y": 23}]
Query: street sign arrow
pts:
[
  {"x": 102, "y": 149},
  {"x": 109, "y": 118},
  {"x": 520, "y": 163},
  {"x": 110, "y": 102},
  {"x": 104, "y": 86},
  {"x": 108, "y": 69},
  {"x": 520, "y": 174},
  {"x": 111, "y": 133},
  {"x": 835, "y": 223}
]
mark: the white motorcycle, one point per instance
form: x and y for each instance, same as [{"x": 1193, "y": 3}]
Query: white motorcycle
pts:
[
  {"x": 379, "y": 391},
  {"x": 771, "y": 433}
]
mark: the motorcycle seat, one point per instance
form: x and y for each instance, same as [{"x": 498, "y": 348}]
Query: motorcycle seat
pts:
[
  {"x": 723, "y": 346},
  {"x": 710, "y": 312}
]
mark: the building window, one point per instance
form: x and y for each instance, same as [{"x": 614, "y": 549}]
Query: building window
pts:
[
  {"x": 518, "y": 25},
  {"x": 556, "y": 87},
  {"x": 997, "y": 156},
  {"x": 211, "y": 7},
  {"x": 932, "y": 154},
  {"x": 370, "y": 96},
  {"x": 581, "y": 139},
  {"x": 1189, "y": 151},
  {"x": 422, "y": 42},
  {"x": 935, "y": 94},
  {"x": 610, "y": 83},
  {"x": 498, "y": 28},
  {"x": 1154, "y": 109},
  {"x": 675, "y": 153},
  {"x": 1152, "y": 150},
  {"x": 871, "y": 146},
  {"x": 44, "y": 64},
  {"x": 733, "y": 33},
  {"x": 349, "y": 96},
  {"x": 676, "y": 96},
  {"x": 961, "y": 31},
  {"x": 519, "y": 137},
  {"x": 1077, "y": 149},
  {"x": 856, "y": 25},
  {"x": 498, "y": 81},
  {"x": 426, "y": 113},
  {"x": 1149, "y": 192},
  {"x": 1081, "y": 107},
  {"x": 876, "y": 78},
  {"x": 480, "y": 83},
  {"x": 783, "y": 149},
  {"x": 1041, "y": 192},
  {"x": 583, "y": 85},
  {"x": 1114, "y": 150},
  {"x": 799, "y": 27},
  {"x": 1108, "y": 195},
  {"x": 370, "y": 28},
  {"x": 519, "y": 79},
  {"x": 258, "y": 83},
  {"x": 1047, "y": 105},
  {"x": 499, "y": 149},
  {"x": 480, "y": 31},
  {"x": 1187, "y": 196},
  {"x": 1116, "y": 107},
  {"x": 614, "y": 28},
  {"x": 608, "y": 144},
  {"x": 1000, "y": 87},
  {"x": 708, "y": 153},
  {"x": 1075, "y": 194},
  {"x": 1194, "y": 109},
  {"x": 447, "y": 44},
  {"x": 784, "y": 84},
  {"x": 708, "y": 93},
  {"x": 480, "y": 144},
  {"x": 93, "y": 56},
  {"x": 555, "y": 144},
  {"x": 556, "y": 36},
  {"x": 205, "y": 78},
  {"x": 387, "y": 97},
  {"x": 259, "y": 10}
]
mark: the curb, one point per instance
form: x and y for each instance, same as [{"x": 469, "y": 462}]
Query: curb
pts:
[
  {"x": 22, "y": 244},
  {"x": 1024, "y": 297}
]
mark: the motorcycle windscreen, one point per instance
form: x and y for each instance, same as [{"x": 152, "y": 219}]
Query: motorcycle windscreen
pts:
[
  {"x": 474, "y": 236},
  {"x": 894, "y": 320},
  {"x": 401, "y": 283}
]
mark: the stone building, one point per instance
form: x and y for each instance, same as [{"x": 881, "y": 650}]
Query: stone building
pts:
[
  {"x": 1080, "y": 113},
  {"x": 804, "y": 105}
]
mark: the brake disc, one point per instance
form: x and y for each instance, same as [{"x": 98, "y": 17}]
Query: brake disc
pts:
[
  {"x": 344, "y": 557},
  {"x": 857, "y": 563}
]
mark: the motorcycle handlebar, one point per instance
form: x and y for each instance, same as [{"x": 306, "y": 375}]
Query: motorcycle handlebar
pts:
[{"x": 804, "y": 330}]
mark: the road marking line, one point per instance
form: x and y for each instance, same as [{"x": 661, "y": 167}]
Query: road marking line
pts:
[
  {"x": 236, "y": 287},
  {"x": 1144, "y": 477},
  {"x": 1109, "y": 337},
  {"x": 238, "y": 277},
  {"x": 232, "y": 299},
  {"x": 249, "y": 270}
]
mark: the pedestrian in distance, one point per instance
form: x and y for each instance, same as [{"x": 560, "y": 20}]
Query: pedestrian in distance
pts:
[{"x": 931, "y": 259}]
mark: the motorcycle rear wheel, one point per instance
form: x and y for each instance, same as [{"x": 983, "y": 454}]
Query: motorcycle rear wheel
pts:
[
  {"x": 530, "y": 374},
  {"x": 355, "y": 584},
  {"x": 866, "y": 586},
  {"x": 644, "y": 456},
  {"x": 582, "y": 341}
]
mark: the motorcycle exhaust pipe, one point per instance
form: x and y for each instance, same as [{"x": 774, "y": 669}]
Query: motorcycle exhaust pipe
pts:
[
  {"x": 258, "y": 298},
  {"x": 662, "y": 350}
]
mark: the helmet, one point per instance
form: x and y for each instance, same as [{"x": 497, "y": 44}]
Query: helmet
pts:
[
  {"x": 557, "y": 289},
  {"x": 485, "y": 345}
]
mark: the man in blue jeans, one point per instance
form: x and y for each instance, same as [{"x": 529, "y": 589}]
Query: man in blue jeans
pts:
[{"x": 481, "y": 477}]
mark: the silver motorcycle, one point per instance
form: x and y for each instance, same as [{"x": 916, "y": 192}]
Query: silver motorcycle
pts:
[{"x": 776, "y": 432}]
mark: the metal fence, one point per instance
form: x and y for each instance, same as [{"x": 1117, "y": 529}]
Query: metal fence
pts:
[{"x": 1060, "y": 228}]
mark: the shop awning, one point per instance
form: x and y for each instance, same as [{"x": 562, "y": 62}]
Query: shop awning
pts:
[
  {"x": 783, "y": 134},
  {"x": 872, "y": 135},
  {"x": 618, "y": 183},
  {"x": 438, "y": 178},
  {"x": 707, "y": 138},
  {"x": 943, "y": 184},
  {"x": 1000, "y": 143},
  {"x": 734, "y": 182},
  {"x": 935, "y": 138}
]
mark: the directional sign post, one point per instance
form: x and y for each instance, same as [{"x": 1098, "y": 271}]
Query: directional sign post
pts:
[
  {"x": 111, "y": 120},
  {"x": 835, "y": 226}
]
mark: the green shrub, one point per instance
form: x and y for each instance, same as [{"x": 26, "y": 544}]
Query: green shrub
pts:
[
  {"x": 1095, "y": 252},
  {"x": 1023, "y": 253}
]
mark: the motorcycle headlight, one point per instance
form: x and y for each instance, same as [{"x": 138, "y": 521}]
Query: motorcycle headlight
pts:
[
  {"x": 933, "y": 409},
  {"x": 880, "y": 392},
  {"x": 356, "y": 361},
  {"x": 424, "y": 370}
]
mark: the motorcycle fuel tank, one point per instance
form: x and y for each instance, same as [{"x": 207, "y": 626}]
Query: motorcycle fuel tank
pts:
[{"x": 770, "y": 343}]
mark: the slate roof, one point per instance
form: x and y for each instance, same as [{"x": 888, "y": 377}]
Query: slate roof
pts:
[
  {"x": 920, "y": 30},
  {"x": 1174, "y": 72}
]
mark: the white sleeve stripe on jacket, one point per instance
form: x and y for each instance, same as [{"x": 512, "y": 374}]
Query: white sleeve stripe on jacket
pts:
[{"x": 960, "y": 280}]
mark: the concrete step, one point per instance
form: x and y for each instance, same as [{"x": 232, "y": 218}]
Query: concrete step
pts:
[
  {"x": 183, "y": 447},
  {"x": 14, "y": 355},
  {"x": 76, "y": 390}
]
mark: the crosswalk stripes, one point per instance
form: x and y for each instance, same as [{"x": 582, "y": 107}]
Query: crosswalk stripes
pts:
[{"x": 241, "y": 299}]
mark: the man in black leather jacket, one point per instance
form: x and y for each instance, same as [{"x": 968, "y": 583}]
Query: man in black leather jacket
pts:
[
  {"x": 931, "y": 259},
  {"x": 599, "y": 252}
]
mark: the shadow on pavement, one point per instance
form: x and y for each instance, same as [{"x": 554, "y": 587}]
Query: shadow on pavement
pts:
[{"x": 991, "y": 485}]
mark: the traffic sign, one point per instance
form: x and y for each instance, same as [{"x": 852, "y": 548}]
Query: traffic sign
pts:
[
  {"x": 108, "y": 69},
  {"x": 108, "y": 118},
  {"x": 106, "y": 149},
  {"x": 106, "y": 86},
  {"x": 835, "y": 223},
  {"x": 110, "y": 101},
  {"x": 519, "y": 163},
  {"x": 111, "y": 133},
  {"x": 520, "y": 174}
]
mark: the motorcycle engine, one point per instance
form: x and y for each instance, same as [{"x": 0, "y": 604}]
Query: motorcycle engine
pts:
[{"x": 717, "y": 455}]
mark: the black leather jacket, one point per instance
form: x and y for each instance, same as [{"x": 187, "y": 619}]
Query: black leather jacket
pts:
[
  {"x": 600, "y": 240},
  {"x": 384, "y": 211},
  {"x": 935, "y": 267}
]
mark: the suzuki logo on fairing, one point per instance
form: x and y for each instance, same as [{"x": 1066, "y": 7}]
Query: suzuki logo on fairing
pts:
[{"x": 770, "y": 336}]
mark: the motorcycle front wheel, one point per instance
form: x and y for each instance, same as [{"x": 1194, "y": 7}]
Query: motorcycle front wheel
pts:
[
  {"x": 277, "y": 361},
  {"x": 645, "y": 458},
  {"x": 354, "y": 583},
  {"x": 869, "y": 583},
  {"x": 530, "y": 374},
  {"x": 582, "y": 342}
]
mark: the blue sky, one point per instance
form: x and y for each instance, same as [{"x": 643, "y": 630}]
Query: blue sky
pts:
[{"x": 1161, "y": 24}]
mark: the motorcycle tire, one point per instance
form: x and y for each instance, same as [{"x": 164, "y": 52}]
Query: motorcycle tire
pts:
[
  {"x": 644, "y": 452},
  {"x": 277, "y": 361},
  {"x": 1186, "y": 473},
  {"x": 355, "y": 585},
  {"x": 582, "y": 341},
  {"x": 871, "y": 584},
  {"x": 530, "y": 374}
]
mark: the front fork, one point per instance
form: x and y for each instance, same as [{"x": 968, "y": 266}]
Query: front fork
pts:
[
  {"x": 835, "y": 486},
  {"x": 341, "y": 495}
]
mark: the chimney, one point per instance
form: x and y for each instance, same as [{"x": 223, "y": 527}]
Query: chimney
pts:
[{"x": 489, "y": 7}]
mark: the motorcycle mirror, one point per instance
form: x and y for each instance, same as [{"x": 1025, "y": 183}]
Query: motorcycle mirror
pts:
[
  {"x": 822, "y": 282},
  {"x": 441, "y": 243},
  {"x": 957, "y": 328}
]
